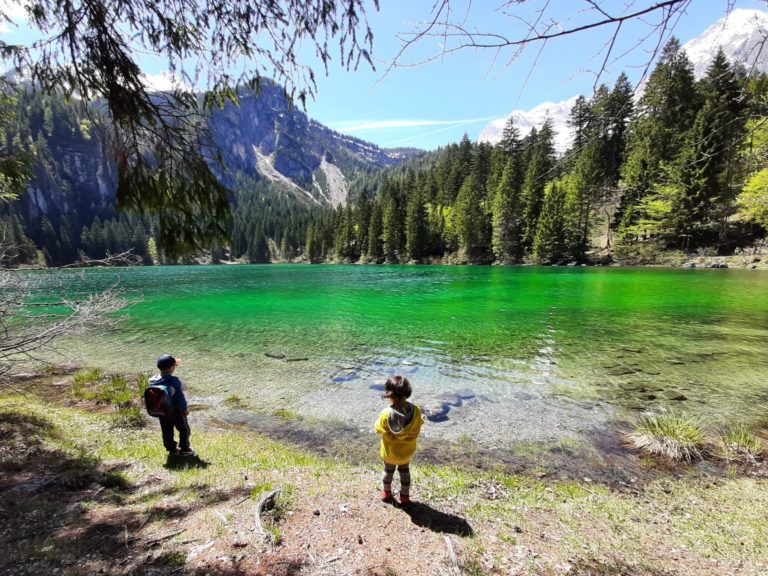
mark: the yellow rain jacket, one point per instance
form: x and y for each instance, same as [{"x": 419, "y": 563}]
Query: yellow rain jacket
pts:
[{"x": 398, "y": 447}]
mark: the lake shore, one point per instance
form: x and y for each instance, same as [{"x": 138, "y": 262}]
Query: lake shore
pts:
[{"x": 83, "y": 495}]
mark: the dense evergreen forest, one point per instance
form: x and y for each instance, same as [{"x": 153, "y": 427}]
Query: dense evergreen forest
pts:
[
  {"x": 683, "y": 167},
  {"x": 680, "y": 168}
]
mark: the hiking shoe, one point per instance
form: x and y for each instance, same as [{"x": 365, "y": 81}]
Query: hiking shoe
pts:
[
  {"x": 405, "y": 499},
  {"x": 386, "y": 496},
  {"x": 187, "y": 452},
  {"x": 174, "y": 452}
]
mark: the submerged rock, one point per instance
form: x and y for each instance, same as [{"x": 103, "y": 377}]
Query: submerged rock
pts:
[
  {"x": 277, "y": 356},
  {"x": 436, "y": 412},
  {"x": 450, "y": 398}
]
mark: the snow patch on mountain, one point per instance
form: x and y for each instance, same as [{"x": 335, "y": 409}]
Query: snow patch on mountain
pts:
[
  {"x": 525, "y": 120},
  {"x": 742, "y": 35}
]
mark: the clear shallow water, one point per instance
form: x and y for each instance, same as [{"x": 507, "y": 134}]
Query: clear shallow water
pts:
[{"x": 495, "y": 353}]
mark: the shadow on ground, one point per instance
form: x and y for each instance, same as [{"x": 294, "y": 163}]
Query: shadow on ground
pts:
[
  {"x": 70, "y": 512},
  {"x": 617, "y": 567},
  {"x": 427, "y": 517},
  {"x": 185, "y": 462}
]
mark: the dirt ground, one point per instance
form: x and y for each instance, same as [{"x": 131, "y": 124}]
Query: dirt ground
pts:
[{"x": 65, "y": 512}]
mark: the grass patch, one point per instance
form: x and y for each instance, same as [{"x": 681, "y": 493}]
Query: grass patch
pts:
[
  {"x": 130, "y": 417},
  {"x": 285, "y": 414},
  {"x": 113, "y": 390},
  {"x": 674, "y": 436},
  {"x": 234, "y": 402},
  {"x": 83, "y": 380},
  {"x": 740, "y": 444},
  {"x": 613, "y": 532}
]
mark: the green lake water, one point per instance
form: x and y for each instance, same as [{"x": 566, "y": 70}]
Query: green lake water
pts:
[{"x": 495, "y": 353}]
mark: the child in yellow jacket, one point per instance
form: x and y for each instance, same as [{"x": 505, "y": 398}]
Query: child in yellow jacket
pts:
[{"x": 399, "y": 426}]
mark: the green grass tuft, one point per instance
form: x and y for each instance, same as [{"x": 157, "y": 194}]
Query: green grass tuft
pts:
[
  {"x": 674, "y": 436},
  {"x": 234, "y": 402},
  {"x": 130, "y": 417},
  {"x": 142, "y": 383},
  {"x": 740, "y": 444},
  {"x": 285, "y": 414},
  {"x": 115, "y": 392}
]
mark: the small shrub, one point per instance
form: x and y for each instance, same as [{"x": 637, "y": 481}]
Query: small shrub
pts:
[
  {"x": 675, "y": 436},
  {"x": 130, "y": 417},
  {"x": 740, "y": 444}
]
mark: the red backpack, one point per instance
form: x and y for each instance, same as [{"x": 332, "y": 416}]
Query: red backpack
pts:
[{"x": 158, "y": 397}]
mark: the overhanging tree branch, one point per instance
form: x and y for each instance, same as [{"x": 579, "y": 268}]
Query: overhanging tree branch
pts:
[{"x": 92, "y": 50}]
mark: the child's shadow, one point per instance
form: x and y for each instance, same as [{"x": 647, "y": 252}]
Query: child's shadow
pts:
[
  {"x": 427, "y": 517},
  {"x": 185, "y": 462}
]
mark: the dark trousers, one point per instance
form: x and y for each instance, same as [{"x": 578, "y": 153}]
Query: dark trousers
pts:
[{"x": 177, "y": 420}]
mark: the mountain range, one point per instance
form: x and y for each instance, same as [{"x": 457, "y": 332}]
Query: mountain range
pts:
[
  {"x": 742, "y": 35},
  {"x": 267, "y": 139}
]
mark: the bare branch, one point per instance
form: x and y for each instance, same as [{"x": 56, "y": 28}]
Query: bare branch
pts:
[{"x": 458, "y": 36}]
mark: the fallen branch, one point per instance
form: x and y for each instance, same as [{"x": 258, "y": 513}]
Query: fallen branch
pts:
[
  {"x": 166, "y": 537},
  {"x": 265, "y": 504},
  {"x": 452, "y": 556}
]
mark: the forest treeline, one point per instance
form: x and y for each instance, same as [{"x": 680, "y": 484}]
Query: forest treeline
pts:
[{"x": 682, "y": 167}]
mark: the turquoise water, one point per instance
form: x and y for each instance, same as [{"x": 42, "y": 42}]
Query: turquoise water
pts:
[{"x": 533, "y": 352}]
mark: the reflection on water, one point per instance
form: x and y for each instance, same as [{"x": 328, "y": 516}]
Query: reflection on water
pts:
[{"x": 544, "y": 352}]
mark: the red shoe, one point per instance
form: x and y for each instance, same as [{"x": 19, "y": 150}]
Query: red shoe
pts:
[
  {"x": 386, "y": 496},
  {"x": 405, "y": 499}
]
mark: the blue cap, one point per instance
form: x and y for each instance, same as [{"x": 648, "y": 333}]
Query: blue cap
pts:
[{"x": 166, "y": 361}]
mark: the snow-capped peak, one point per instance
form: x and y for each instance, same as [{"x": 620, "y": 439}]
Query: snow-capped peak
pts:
[
  {"x": 741, "y": 34},
  {"x": 557, "y": 112}
]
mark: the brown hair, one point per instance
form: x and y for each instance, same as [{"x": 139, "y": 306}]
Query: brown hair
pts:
[{"x": 398, "y": 387}]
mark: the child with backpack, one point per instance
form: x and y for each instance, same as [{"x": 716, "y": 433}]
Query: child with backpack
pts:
[
  {"x": 165, "y": 399},
  {"x": 399, "y": 426}
]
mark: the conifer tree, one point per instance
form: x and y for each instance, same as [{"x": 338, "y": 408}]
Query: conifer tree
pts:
[
  {"x": 549, "y": 245},
  {"x": 658, "y": 133},
  {"x": 375, "y": 249},
  {"x": 537, "y": 173},
  {"x": 415, "y": 227},
  {"x": 506, "y": 213}
]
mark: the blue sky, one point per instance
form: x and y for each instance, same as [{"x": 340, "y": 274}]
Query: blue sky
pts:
[{"x": 435, "y": 103}]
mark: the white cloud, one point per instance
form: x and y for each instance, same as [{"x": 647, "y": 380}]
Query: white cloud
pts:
[
  {"x": 14, "y": 10},
  {"x": 164, "y": 82},
  {"x": 362, "y": 126}
]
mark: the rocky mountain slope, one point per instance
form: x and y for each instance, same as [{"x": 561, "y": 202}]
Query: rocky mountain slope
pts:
[{"x": 264, "y": 139}]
